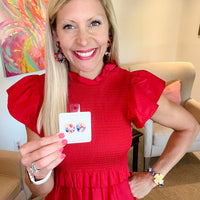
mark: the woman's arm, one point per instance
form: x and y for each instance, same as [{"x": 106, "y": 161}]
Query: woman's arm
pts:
[
  {"x": 46, "y": 152},
  {"x": 185, "y": 128}
]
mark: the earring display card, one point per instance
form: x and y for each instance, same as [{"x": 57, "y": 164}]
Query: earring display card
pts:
[{"x": 76, "y": 126}]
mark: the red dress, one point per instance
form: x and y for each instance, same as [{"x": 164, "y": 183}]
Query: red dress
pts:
[{"x": 97, "y": 170}]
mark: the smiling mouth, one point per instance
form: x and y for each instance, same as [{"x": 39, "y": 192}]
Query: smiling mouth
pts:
[{"x": 85, "y": 54}]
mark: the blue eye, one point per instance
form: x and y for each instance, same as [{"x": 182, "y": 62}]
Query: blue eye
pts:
[
  {"x": 68, "y": 26},
  {"x": 95, "y": 23}
]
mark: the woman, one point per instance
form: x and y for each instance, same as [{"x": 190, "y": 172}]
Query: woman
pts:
[{"x": 80, "y": 32}]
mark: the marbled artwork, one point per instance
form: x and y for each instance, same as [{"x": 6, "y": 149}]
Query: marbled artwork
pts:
[{"x": 22, "y": 25}]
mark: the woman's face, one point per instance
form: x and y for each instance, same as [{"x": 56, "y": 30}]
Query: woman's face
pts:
[{"x": 82, "y": 29}]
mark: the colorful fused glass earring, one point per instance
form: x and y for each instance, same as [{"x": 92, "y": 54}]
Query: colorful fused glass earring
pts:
[
  {"x": 70, "y": 128},
  {"x": 80, "y": 127},
  {"x": 59, "y": 56},
  {"x": 107, "y": 53}
]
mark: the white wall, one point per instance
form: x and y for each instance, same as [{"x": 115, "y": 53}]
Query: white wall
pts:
[
  {"x": 189, "y": 42},
  {"x": 160, "y": 30},
  {"x": 150, "y": 31}
]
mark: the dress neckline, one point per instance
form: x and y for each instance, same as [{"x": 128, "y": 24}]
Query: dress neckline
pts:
[{"x": 108, "y": 67}]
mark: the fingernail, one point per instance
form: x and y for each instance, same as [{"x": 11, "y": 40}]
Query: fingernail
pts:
[
  {"x": 64, "y": 142},
  {"x": 61, "y": 135},
  {"x": 62, "y": 156},
  {"x": 61, "y": 150}
]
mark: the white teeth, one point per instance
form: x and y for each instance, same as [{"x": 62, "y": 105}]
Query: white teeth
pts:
[{"x": 85, "y": 54}]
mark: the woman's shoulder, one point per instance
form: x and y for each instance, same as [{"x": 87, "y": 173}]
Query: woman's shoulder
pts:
[
  {"x": 144, "y": 91},
  {"x": 132, "y": 72},
  {"x": 139, "y": 76}
]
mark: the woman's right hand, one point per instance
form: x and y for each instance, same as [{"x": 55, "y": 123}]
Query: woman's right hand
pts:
[{"x": 45, "y": 152}]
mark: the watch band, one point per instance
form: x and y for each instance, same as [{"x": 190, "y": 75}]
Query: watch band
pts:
[
  {"x": 32, "y": 178},
  {"x": 158, "y": 178}
]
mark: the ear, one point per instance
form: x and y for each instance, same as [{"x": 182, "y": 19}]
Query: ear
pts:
[{"x": 55, "y": 35}]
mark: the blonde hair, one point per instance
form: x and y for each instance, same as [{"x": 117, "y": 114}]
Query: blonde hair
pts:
[{"x": 56, "y": 78}]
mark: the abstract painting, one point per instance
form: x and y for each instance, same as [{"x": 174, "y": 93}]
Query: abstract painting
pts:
[{"x": 22, "y": 25}]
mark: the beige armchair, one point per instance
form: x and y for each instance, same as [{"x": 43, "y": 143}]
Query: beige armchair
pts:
[
  {"x": 155, "y": 135},
  {"x": 12, "y": 185}
]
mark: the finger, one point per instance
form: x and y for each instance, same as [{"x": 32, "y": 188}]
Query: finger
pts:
[
  {"x": 36, "y": 144},
  {"x": 56, "y": 162},
  {"x": 50, "y": 165},
  {"x": 45, "y": 161},
  {"x": 43, "y": 152},
  {"x": 131, "y": 176}
]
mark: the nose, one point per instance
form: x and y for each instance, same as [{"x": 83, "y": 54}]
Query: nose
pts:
[{"x": 82, "y": 37}]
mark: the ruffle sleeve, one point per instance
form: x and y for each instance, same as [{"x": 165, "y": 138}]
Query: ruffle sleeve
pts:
[
  {"x": 144, "y": 92},
  {"x": 25, "y": 99}
]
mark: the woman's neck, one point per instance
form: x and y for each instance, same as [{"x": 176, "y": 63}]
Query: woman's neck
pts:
[{"x": 92, "y": 74}]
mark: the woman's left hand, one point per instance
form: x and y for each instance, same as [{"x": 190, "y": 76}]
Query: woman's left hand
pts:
[{"x": 141, "y": 183}]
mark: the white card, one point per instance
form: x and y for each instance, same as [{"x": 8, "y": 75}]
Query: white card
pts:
[{"x": 76, "y": 126}]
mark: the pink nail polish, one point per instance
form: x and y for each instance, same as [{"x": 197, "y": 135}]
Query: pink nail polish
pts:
[
  {"x": 64, "y": 142},
  {"x": 61, "y": 135},
  {"x": 62, "y": 156},
  {"x": 61, "y": 150}
]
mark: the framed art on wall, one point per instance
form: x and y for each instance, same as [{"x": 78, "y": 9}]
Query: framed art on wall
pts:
[{"x": 22, "y": 25}]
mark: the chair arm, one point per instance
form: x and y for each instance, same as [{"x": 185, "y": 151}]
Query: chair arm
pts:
[
  {"x": 10, "y": 163},
  {"x": 148, "y": 138},
  {"x": 193, "y": 107}
]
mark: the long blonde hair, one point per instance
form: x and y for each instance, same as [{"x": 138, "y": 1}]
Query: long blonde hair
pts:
[{"x": 56, "y": 77}]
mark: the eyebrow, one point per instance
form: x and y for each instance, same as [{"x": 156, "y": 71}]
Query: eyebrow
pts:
[{"x": 73, "y": 21}]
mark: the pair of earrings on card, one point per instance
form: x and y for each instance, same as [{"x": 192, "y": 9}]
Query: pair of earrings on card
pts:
[{"x": 83, "y": 125}]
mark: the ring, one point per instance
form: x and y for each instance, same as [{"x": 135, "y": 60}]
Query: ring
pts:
[{"x": 33, "y": 169}]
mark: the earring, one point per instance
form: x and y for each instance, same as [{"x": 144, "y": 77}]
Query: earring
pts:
[
  {"x": 59, "y": 56},
  {"x": 80, "y": 127},
  {"x": 107, "y": 53},
  {"x": 70, "y": 128}
]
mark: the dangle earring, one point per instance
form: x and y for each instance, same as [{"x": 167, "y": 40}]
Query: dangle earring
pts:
[
  {"x": 59, "y": 56},
  {"x": 107, "y": 53}
]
